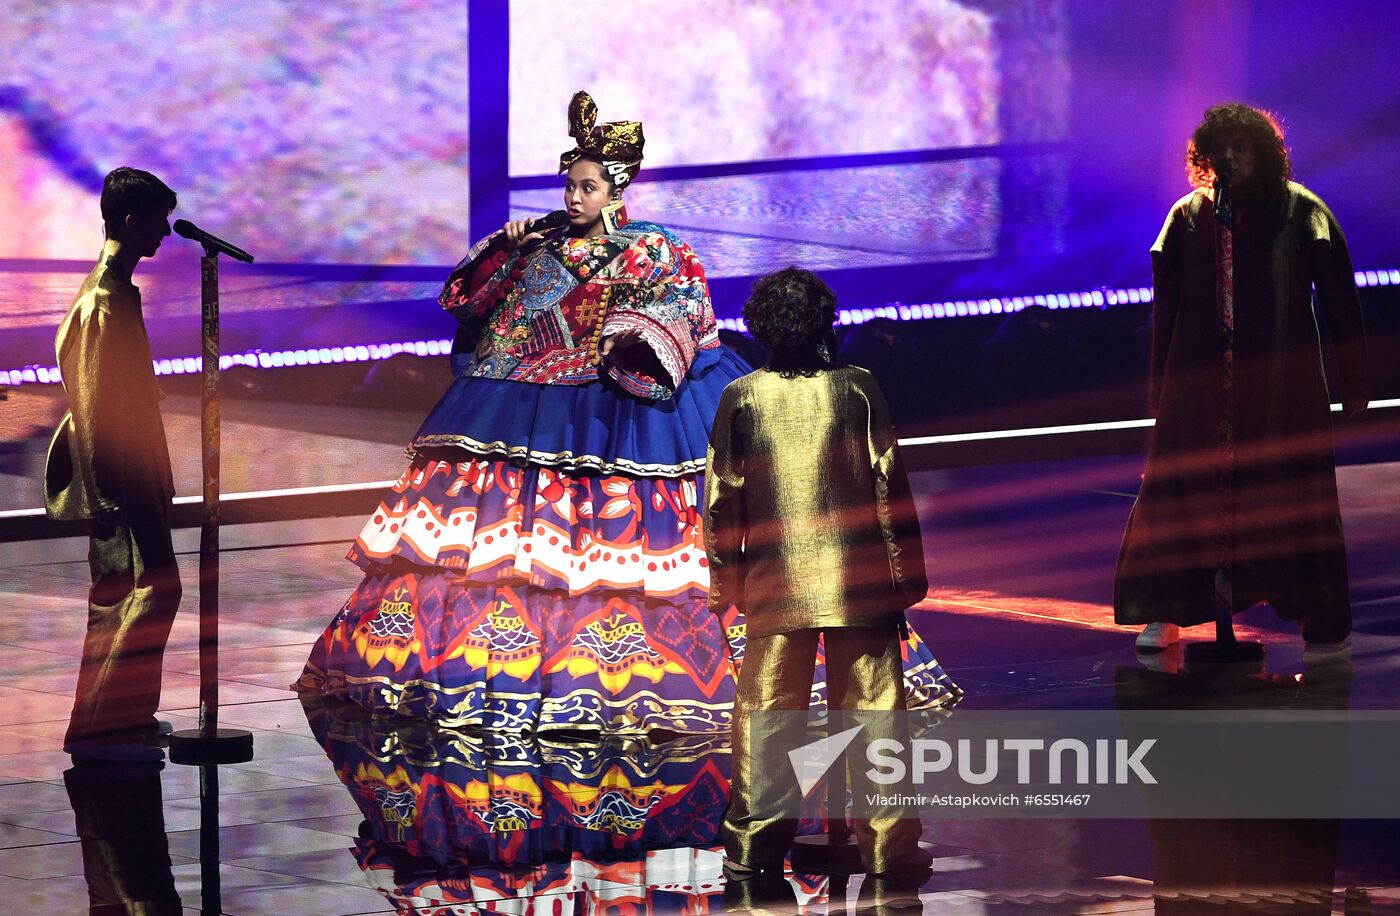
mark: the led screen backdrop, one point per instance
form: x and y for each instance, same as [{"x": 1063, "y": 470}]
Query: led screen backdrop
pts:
[
  {"x": 734, "y": 82},
  {"x": 867, "y": 216},
  {"x": 308, "y": 131},
  {"x": 336, "y": 134}
]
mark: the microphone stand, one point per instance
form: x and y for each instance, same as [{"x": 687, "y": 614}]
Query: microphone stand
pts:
[
  {"x": 209, "y": 746},
  {"x": 1226, "y": 649}
]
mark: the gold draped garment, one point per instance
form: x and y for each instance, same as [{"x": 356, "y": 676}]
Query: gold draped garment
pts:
[
  {"x": 809, "y": 521},
  {"x": 109, "y": 449}
]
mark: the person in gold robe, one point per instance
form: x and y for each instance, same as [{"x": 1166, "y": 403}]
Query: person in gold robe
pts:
[
  {"x": 108, "y": 463},
  {"x": 1238, "y": 504},
  {"x": 810, "y": 530}
]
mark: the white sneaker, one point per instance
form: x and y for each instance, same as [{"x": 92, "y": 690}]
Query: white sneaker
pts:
[
  {"x": 1158, "y": 636},
  {"x": 1322, "y": 651}
]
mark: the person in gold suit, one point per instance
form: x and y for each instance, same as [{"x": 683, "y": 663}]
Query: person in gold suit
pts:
[
  {"x": 810, "y": 529},
  {"x": 108, "y": 463}
]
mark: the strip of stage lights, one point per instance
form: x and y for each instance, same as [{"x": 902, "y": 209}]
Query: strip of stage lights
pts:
[
  {"x": 1036, "y": 432},
  {"x": 896, "y": 311}
]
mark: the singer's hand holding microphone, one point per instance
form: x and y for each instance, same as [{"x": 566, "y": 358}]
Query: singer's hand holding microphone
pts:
[{"x": 521, "y": 233}]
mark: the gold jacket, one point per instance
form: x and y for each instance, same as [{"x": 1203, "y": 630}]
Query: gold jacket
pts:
[
  {"x": 809, "y": 521},
  {"x": 109, "y": 450}
]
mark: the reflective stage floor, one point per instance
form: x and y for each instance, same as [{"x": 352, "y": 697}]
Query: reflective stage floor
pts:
[{"x": 336, "y": 816}]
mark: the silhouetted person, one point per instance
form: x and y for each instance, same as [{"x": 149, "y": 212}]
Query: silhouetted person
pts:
[
  {"x": 882, "y": 347},
  {"x": 1031, "y": 350},
  {"x": 108, "y": 463},
  {"x": 1239, "y": 502}
]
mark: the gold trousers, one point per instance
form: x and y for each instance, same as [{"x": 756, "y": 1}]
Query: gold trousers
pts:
[
  {"x": 864, "y": 673},
  {"x": 131, "y": 606}
]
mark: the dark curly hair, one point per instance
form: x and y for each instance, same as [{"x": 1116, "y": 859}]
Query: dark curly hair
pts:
[
  {"x": 1260, "y": 128},
  {"x": 791, "y": 311}
]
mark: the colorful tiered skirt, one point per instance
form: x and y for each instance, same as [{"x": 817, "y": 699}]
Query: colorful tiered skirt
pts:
[{"x": 541, "y": 566}]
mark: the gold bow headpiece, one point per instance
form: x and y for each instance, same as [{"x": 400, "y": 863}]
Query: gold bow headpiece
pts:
[{"x": 618, "y": 144}]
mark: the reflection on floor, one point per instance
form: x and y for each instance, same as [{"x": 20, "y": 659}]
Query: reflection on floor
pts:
[
  {"x": 336, "y": 815},
  {"x": 454, "y": 819}
]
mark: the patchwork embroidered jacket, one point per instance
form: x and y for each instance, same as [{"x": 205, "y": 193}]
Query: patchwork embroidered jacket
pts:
[{"x": 539, "y": 316}]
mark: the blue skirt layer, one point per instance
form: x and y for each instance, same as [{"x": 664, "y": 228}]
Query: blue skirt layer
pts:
[{"x": 593, "y": 428}]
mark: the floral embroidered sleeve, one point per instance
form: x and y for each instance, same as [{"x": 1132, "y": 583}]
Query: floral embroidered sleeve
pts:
[
  {"x": 460, "y": 294},
  {"x": 661, "y": 295}
]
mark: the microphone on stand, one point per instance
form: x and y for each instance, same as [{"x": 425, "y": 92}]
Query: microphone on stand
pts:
[
  {"x": 1224, "y": 208},
  {"x": 211, "y": 243}
]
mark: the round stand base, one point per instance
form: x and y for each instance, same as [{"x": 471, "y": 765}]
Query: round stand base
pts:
[
  {"x": 819, "y": 855},
  {"x": 227, "y": 745},
  {"x": 1224, "y": 653}
]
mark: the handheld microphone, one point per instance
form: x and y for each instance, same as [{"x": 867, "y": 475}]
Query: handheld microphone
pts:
[
  {"x": 545, "y": 224},
  {"x": 211, "y": 243},
  {"x": 549, "y": 222}
]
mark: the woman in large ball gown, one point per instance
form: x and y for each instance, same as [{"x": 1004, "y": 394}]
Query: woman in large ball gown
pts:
[{"x": 540, "y": 565}]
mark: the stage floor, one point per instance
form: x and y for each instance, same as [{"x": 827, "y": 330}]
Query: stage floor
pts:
[{"x": 1021, "y": 557}]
